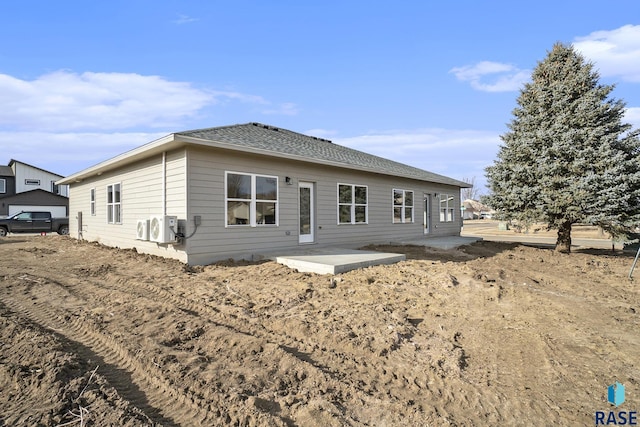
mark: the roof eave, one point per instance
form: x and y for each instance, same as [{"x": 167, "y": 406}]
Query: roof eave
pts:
[
  {"x": 154, "y": 147},
  {"x": 176, "y": 140}
]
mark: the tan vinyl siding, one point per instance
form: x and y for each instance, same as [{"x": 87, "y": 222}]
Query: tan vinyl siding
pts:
[
  {"x": 214, "y": 241},
  {"x": 194, "y": 186},
  {"x": 142, "y": 196}
]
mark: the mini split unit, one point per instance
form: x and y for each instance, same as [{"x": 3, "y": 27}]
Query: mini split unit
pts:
[
  {"x": 142, "y": 229},
  {"x": 159, "y": 228}
]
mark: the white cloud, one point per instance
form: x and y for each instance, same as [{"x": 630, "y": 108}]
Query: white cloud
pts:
[
  {"x": 63, "y": 100},
  {"x": 65, "y": 122},
  {"x": 632, "y": 116},
  {"x": 615, "y": 53},
  {"x": 490, "y": 76},
  {"x": 66, "y": 153},
  {"x": 184, "y": 19},
  {"x": 286, "y": 109},
  {"x": 224, "y": 96},
  {"x": 455, "y": 153}
]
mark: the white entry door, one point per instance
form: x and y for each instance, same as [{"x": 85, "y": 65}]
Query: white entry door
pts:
[
  {"x": 427, "y": 213},
  {"x": 306, "y": 213}
]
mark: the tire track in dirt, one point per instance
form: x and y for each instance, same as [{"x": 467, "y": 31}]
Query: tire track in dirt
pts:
[
  {"x": 118, "y": 377},
  {"x": 217, "y": 317},
  {"x": 143, "y": 385},
  {"x": 236, "y": 324},
  {"x": 356, "y": 371},
  {"x": 162, "y": 394},
  {"x": 447, "y": 339},
  {"x": 353, "y": 367}
]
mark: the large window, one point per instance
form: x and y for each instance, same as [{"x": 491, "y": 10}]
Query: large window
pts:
[
  {"x": 114, "y": 204},
  {"x": 251, "y": 200},
  {"x": 402, "y": 206},
  {"x": 3, "y": 185},
  {"x": 447, "y": 208},
  {"x": 352, "y": 204},
  {"x": 92, "y": 201}
]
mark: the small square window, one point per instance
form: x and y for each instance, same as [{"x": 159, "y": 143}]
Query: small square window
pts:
[
  {"x": 251, "y": 200},
  {"x": 352, "y": 204}
]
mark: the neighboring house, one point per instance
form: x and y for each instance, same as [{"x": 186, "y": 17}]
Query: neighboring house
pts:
[
  {"x": 237, "y": 191},
  {"x": 473, "y": 209},
  {"x": 26, "y": 187}
]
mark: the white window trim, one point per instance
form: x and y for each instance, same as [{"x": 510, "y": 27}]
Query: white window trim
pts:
[
  {"x": 111, "y": 206},
  {"x": 449, "y": 207},
  {"x": 252, "y": 202},
  {"x": 353, "y": 204},
  {"x": 403, "y": 206},
  {"x": 92, "y": 201},
  {"x": 30, "y": 181},
  {"x": 3, "y": 185}
]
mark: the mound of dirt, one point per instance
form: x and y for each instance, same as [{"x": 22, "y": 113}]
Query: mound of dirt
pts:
[{"x": 487, "y": 334}]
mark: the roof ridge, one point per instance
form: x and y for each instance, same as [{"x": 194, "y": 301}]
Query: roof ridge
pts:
[
  {"x": 277, "y": 129},
  {"x": 209, "y": 128},
  {"x": 256, "y": 124}
]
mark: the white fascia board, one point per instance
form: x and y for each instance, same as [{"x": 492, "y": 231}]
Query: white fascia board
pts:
[{"x": 154, "y": 147}]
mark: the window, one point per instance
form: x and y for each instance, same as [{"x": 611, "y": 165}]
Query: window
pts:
[
  {"x": 3, "y": 185},
  {"x": 33, "y": 216},
  {"x": 251, "y": 200},
  {"x": 446, "y": 207},
  {"x": 114, "y": 204},
  {"x": 31, "y": 182},
  {"x": 92, "y": 201},
  {"x": 54, "y": 188},
  {"x": 352, "y": 204},
  {"x": 402, "y": 206},
  {"x": 23, "y": 216}
]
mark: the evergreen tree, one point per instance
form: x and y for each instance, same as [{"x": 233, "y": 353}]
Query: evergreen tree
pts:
[{"x": 567, "y": 158}]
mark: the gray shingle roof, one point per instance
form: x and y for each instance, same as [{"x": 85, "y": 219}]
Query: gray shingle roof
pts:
[
  {"x": 285, "y": 142},
  {"x": 6, "y": 171}
]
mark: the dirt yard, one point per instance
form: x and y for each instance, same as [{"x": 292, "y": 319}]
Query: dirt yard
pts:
[{"x": 484, "y": 335}]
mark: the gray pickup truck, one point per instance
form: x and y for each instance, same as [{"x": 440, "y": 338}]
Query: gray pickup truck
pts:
[{"x": 33, "y": 222}]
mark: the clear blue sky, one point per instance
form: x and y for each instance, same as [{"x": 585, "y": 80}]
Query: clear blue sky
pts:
[{"x": 427, "y": 83}]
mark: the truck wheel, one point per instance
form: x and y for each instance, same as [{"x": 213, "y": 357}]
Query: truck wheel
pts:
[
  {"x": 64, "y": 230},
  {"x": 3, "y": 231}
]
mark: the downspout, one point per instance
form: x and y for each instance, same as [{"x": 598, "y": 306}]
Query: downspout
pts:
[{"x": 164, "y": 183}]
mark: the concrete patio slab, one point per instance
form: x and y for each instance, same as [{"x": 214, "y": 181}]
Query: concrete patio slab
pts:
[{"x": 334, "y": 260}]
